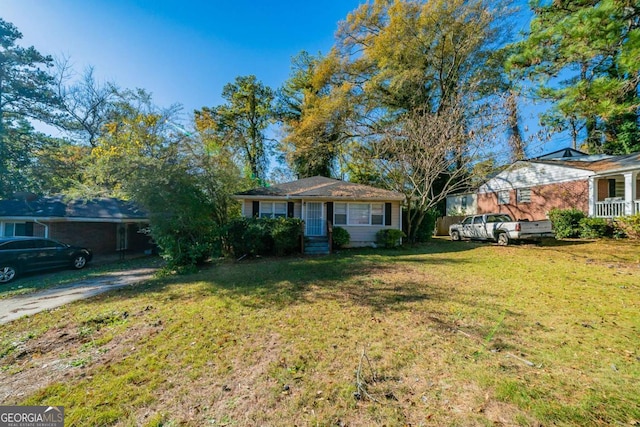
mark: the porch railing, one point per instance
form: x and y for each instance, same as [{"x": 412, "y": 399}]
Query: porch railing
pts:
[{"x": 611, "y": 209}]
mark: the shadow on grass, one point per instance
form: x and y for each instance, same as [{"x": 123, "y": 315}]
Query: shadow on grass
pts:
[{"x": 367, "y": 277}]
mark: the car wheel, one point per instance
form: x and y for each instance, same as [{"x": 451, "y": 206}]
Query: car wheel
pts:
[
  {"x": 503, "y": 239},
  {"x": 79, "y": 261},
  {"x": 7, "y": 274},
  {"x": 455, "y": 236}
]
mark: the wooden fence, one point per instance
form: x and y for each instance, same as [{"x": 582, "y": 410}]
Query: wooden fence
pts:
[{"x": 443, "y": 223}]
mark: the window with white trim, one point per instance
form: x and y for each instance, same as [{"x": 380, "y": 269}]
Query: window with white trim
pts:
[
  {"x": 358, "y": 214},
  {"x": 11, "y": 229},
  {"x": 273, "y": 209},
  {"x": 523, "y": 195},
  {"x": 377, "y": 214},
  {"x": 340, "y": 213},
  {"x": 503, "y": 197}
]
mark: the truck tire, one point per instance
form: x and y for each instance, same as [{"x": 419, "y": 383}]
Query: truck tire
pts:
[
  {"x": 502, "y": 239},
  {"x": 455, "y": 236}
]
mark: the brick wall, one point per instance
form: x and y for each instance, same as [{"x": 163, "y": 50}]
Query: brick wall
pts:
[
  {"x": 99, "y": 237},
  {"x": 574, "y": 194}
]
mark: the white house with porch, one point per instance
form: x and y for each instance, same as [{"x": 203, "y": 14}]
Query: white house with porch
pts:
[
  {"x": 614, "y": 189},
  {"x": 600, "y": 185}
]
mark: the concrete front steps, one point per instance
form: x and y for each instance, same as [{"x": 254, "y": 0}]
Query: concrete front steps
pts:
[{"x": 316, "y": 246}]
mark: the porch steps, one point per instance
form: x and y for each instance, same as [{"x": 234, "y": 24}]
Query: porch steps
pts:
[{"x": 316, "y": 246}]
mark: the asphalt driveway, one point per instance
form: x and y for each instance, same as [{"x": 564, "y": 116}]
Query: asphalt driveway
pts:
[{"x": 15, "y": 307}]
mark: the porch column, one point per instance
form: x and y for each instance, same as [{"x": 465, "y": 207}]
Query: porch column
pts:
[
  {"x": 593, "y": 196},
  {"x": 629, "y": 192}
]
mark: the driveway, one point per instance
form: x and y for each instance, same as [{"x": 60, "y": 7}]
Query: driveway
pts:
[{"x": 23, "y": 305}]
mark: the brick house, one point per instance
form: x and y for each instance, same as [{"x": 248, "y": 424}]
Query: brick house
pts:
[
  {"x": 104, "y": 225},
  {"x": 600, "y": 185}
]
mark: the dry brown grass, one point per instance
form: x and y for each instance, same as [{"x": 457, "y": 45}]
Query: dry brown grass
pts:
[{"x": 456, "y": 334}]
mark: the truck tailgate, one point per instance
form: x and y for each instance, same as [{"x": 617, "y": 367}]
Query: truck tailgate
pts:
[{"x": 536, "y": 227}]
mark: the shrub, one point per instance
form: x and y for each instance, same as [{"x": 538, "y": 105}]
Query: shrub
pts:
[
  {"x": 629, "y": 226},
  {"x": 341, "y": 237},
  {"x": 566, "y": 222},
  {"x": 262, "y": 236},
  {"x": 595, "y": 228},
  {"x": 285, "y": 233},
  {"x": 389, "y": 238},
  {"x": 247, "y": 236},
  {"x": 424, "y": 232}
]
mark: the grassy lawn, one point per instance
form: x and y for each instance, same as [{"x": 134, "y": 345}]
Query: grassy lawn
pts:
[{"x": 445, "y": 334}]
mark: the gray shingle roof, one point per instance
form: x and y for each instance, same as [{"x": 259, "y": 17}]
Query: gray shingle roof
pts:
[
  {"x": 322, "y": 187},
  {"x": 109, "y": 209},
  {"x": 600, "y": 163}
]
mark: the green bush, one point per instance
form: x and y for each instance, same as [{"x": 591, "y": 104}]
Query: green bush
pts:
[
  {"x": 566, "y": 222},
  {"x": 595, "y": 228},
  {"x": 262, "y": 236},
  {"x": 389, "y": 238},
  {"x": 424, "y": 231},
  {"x": 629, "y": 226},
  {"x": 247, "y": 236},
  {"x": 285, "y": 233},
  {"x": 341, "y": 237}
]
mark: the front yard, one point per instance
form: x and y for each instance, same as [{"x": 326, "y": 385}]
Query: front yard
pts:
[{"x": 446, "y": 334}]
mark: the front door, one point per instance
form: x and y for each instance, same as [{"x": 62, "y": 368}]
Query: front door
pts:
[{"x": 314, "y": 222}]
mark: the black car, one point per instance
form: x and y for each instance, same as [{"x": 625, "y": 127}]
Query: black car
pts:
[{"x": 23, "y": 254}]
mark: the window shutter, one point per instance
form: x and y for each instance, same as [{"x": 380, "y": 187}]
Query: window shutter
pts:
[
  {"x": 289, "y": 209},
  {"x": 330, "y": 212},
  {"x": 387, "y": 214},
  {"x": 256, "y": 209}
]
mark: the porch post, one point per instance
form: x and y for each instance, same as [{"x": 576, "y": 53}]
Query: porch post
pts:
[
  {"x": 593, "y": 196},
  {"x": 629, "y": 192}
]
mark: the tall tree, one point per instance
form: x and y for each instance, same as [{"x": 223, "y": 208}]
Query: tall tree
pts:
[
  {"x": 584, "y": 58},
  {"x": 183, "y": 181},
  {"x": 242, "y": 122},
  {"x": 429, "y": 155},
  {"x": 410, "y": 66},
  {"x": 315, "y": 114},
  {"x": 25, "y": 86},
  {"x": 415, "y": 54},
  {"x": 86, "y": 104},
  {"x": 25, "y": 94}
]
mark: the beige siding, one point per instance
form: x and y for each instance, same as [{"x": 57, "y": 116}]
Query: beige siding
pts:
[
  {"x": 365, "y": 235},
  {"x": 361, "y": 235}
]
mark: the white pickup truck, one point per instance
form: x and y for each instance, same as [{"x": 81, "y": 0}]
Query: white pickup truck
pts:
[{"x": 499, "y": 228}]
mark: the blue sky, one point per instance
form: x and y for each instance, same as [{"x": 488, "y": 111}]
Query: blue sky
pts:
[
  {"x": 181, "y": 51},
  {"x": 186, "y": 51}
]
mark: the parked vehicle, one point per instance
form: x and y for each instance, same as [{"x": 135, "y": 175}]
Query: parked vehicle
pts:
[
  {"x": 24, "y": 254},
  {"x": 499, "y": 228}
]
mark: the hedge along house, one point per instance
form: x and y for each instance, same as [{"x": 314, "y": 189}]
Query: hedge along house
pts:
[
  {"x": 599, "y": 185},
  {"x": 104, "y": 225},
  {"x": 321, "y": 202}
]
